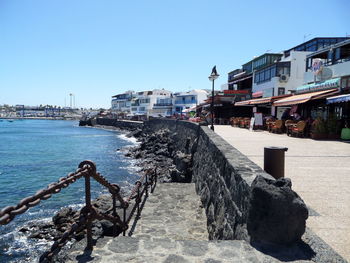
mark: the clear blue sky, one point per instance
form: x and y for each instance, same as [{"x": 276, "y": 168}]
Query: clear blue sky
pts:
[{"x": 96, "y": 49}]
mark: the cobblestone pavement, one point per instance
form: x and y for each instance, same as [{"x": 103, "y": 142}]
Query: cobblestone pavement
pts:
[
  {"x": 172, "y": 229},
  {"x": 136, "y": 250},
  {"x": 173, "y": 211},
  {"x": 320, "y": 173}
]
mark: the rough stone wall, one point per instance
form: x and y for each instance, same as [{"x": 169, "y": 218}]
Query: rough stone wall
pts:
[
  {"x": 117, "y": 123},
  {"x": 222, "y": 175},
  {"x": 184, "y": 133}
]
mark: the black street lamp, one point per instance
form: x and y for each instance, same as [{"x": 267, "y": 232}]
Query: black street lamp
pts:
[{"x": 213, "y": 76}]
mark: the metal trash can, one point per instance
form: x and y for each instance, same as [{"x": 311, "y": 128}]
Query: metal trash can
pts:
[{"x": 274, "y": 160}]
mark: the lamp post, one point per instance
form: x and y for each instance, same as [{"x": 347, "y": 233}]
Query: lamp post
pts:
[{"x": 213, "y": 76}]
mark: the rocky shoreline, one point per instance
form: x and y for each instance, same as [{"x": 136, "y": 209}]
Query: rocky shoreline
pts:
[{"x": 155, "y": 151}]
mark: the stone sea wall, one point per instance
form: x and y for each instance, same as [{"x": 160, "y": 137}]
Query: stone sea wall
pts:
[
  {"x": 223, "y": 177},
  {"x": 241, "y": 200},
  {"x": 128, "y": 125}
]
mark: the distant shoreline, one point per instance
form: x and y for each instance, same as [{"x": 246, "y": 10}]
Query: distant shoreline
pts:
[{"x": 39, "y": 118}]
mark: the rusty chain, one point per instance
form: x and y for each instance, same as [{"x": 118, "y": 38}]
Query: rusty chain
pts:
[
  {"x": 8, "y": 213},
  {"x": 86, "y": 169}
]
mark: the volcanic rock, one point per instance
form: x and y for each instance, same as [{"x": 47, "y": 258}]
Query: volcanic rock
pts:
[{"x": 276, "y": 214}]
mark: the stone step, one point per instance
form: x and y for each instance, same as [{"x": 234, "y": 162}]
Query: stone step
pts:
[
  {"x": 163, "y": 250},
  {"x": 172, "y": 229},
  {"x": 173, "y": 211}
]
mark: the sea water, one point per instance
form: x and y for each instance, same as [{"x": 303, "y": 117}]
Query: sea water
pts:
[{"x": 35, "y": 153}]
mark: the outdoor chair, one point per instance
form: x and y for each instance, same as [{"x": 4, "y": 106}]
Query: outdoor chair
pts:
[
  {"x": 278, "y": 126},
  {"x": 269, "y": 123},
  {"x": 246, "y": 123},
  {"x": 232, "y": 119},
  {"x": 299, "y": 129},
  {"x": 236, "y": 121},
  {"x": 289, "y": 124},
  {"x": 241, "y": 123}
]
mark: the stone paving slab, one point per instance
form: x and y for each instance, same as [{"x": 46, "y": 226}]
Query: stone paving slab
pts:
[
  {"x": 320, "y": 174},
  {"x": 172, "y": 229},
  {"x": 173, "y": 211},
  {"x": 163, "y": 250}
]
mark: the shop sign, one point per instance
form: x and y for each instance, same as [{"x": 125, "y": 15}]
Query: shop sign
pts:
[
  {"x": 328, "y": 84},
  {"x": 233, "y": 92},
  {"x": 317, "y": 66}
]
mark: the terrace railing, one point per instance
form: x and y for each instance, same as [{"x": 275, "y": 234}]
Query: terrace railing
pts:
[{"x": 87, "y": 169}]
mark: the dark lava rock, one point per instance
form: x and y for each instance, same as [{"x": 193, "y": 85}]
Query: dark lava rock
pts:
[
  {"x": 277, "y": 214},
  {"x": 65, "y": 215}
]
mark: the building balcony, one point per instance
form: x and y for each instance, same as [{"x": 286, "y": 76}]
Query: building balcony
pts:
[
  {"x": 329, "y": 72},
  {"x": 163, "y": 104},
  {"x": 185, "y": 102}
]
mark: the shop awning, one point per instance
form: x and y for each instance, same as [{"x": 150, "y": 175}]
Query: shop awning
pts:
[
  {"x": 327, "y": 84},
  {"x": 253, "y": 101},
  {"x": 302, "y": 98},
  {"x": 339, "y": 98},
  {"x": 266, "y": 100},
  {"x": 190, "y": 109}
]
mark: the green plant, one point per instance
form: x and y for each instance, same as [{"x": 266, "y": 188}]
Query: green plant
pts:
[
  {"x": 333, "y": 124},
  {"x": 319, "y": 126}
]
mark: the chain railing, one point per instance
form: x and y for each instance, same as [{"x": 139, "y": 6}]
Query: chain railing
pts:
[{"x": 87, "y": 169}]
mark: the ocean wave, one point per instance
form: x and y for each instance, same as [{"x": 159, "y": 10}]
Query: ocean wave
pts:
[{"x": 133, "y": 140}]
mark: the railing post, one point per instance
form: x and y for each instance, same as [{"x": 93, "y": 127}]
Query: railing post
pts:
[
  {"x": 146, "y": 184},
  {"x": 124, "y": 220},
  {"x": 114, "y": 214},
  {"x": 138, "y": 200},
  {"x": 88, "y": 207}
]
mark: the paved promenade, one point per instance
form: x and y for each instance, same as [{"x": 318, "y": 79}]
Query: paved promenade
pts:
[
  {"x": 172, "y": 229},
  {"x": 320, "y": 174}
]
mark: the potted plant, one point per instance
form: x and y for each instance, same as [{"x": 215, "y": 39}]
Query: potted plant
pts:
[
  {"x": 333, "y": 127},
  {"x": 319, "y": 129},
  {"x": 345, "y": 132}
]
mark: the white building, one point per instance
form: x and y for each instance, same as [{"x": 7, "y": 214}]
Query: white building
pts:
[
  {"x": 121, "y": 103},
  {"x": 334, "y": 64},
  {"x": 282, "y": 76},
  {"x": 186, "y": 100},
  {"x": 149, "y": 103}
]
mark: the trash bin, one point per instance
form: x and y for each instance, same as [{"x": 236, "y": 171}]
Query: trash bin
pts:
[{"x": 274, "y": 160}]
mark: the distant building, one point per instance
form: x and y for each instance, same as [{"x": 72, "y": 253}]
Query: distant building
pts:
[
  {"x": 284, "y": 74},
  {"x": 151, "y": 103},
  {"x": 121, "y": 103},
  {"x": 186, "y": 100}
]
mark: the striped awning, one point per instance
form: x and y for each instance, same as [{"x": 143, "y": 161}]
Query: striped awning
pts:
[
  {"x": 267, "y": 100},
  {"x": 302, "y": 98},
  {"x": 254, "y": 101},
  {"x": 338, "y": 99}
]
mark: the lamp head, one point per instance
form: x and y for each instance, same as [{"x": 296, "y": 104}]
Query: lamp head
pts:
[{"x": 214, "y": 75}]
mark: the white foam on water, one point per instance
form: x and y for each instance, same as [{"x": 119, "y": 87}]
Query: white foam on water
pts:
[{"x": 133, "y": 140}]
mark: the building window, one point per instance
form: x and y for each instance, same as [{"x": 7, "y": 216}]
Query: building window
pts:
[
  {"x": 178, "y": 109},
  {"x": 345, "y": 82},
  {"x": 337, "y": 54},
  {"x": 281, "y": 91}
]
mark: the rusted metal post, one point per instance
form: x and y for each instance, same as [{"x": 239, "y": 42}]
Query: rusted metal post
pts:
[
  {"x": 114, "y": 215},
  {"x": 146, "y": 184},
  {"x": 88, "y": 207},
  {"x": 124, "y": 220},
  {"x": 138, "y": 200}
]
